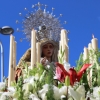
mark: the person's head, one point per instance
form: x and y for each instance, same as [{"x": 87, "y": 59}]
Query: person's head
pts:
[{"x": 49, "y": 49}]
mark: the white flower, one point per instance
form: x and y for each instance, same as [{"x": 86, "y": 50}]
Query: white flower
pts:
[
  {"x": 56, "y": 93},
  {"x": 11, "y": 89},
  {"x": 31, "y": 78},
  {"x": 1, "y": 93},
  {"x": 42, "y": 94},
  {"x": 45, "y": 86},
  {"x": 2, "y": 86},
  {"x": 15, "y": 99},
  {"x": 6, "y": 96},
  {"x": 33, "y": 97},
  {"x": 74, "y": 94},
  {"x": 48, "y": 66},
  {"x": 66, "y": 65},
  {"x": 27, "y": 87},
  {"x": 63, "y": 90},
  {"x": 81, "y": 91},
  {"x": 37, "y": 76},
  {"x": 96, "y": 92},
  {"x": 62, "y": 97},
  {"x": 29, "y": 67},
  {"x": 82, "y": 98}
]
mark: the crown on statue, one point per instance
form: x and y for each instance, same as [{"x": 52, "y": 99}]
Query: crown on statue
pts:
[{"x": 46, "y": 24}]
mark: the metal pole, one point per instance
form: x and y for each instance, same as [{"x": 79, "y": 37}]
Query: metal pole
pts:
[{"x": 2, "y": 62}]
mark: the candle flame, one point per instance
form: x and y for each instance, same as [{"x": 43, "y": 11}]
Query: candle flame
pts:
[{"x": 92, "y": 35}]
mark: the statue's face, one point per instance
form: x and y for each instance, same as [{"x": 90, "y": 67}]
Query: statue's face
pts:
[{"x": 47, "y": 50}]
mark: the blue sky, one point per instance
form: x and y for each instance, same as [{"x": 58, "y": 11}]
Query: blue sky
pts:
[{"x": 82, "y": 16}]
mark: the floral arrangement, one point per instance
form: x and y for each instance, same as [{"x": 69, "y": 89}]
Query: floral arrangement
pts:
[{"x": 56, "y": 81}]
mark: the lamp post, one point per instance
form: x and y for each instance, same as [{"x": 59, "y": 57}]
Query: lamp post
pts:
[
  {"x": 6, "y": 30},
  {"x": 2, "y": 62}
]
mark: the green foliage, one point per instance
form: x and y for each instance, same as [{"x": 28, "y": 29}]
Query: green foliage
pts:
[
  {"x": 96, "y": 68},
  {"x": 85, "y": 81},
  {"x": 50, "y": 82},
  {"x": 79, "y": 63},
  {"x": 60, "y": 85},
  {"x": 19, "y": 92},
  {"x": 97, "y": 56},
  {"x": 50, "y": 93},
  {"x": 98, "y": 78},
  {"x": 26, "y": 71},
  {"x": 94, "y": 80},
  {"x": 60, "y": 57},
  {"x": 45, "y": 77},
  {"x": 13, "y": 83},
  {"x": 32, "y": 72}
]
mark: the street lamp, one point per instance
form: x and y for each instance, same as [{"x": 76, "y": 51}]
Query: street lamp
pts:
[{"x": 6, "y": 30}]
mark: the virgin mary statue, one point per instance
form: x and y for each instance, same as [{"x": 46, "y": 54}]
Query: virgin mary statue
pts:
[{"x": 48, "y": 29}]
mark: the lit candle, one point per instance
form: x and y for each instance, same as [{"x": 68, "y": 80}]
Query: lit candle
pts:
[
  {"x": 94, "y": 43},
  {"x": 33, "y": 48},
  {"x": 90, "y": 48},
  {"x": 89, "y": 76},
  {"x": 64, "y": 44},
  {"x": 14, "y": 59},
  {"x": 62, "y": 39},
  {"x": 60, "y": 45},
  {"x": 10, "y": 78},
  {"x": 66, "y": 53},
  {"x": 59, "y": 53},
  {"x": 85, "y": 53},
  {"x": 38, "y": 51},
  {"x": 65, "y": 37}
]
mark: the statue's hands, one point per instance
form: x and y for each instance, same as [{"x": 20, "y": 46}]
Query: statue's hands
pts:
[
  {"x": 44, "y": 61},
  {"x": 18, "y": 73}
]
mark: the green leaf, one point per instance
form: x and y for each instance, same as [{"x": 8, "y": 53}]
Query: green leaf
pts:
[{"x": 62, "y": 54}]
